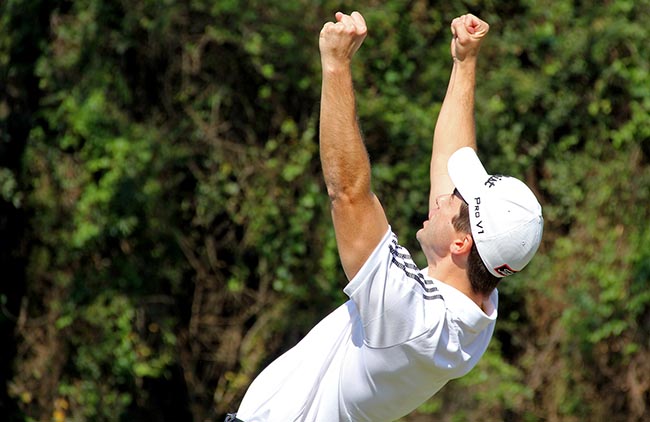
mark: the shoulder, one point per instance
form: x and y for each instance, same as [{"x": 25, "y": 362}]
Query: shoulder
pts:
[{"x": 390, "y": 260}]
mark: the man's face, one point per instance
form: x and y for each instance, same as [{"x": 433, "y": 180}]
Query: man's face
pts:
[{"x": 438, "y": 231}]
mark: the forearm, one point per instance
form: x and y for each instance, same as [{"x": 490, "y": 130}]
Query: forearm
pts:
[
  {"x": 455, "y": 127},
  {"x": 344, "y": 158}
]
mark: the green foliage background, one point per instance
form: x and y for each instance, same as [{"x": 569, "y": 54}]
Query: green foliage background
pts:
[{"x": 165, "y": 231}]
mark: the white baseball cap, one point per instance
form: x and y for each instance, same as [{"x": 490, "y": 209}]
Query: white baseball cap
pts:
[{"x": 504, "y": 214}]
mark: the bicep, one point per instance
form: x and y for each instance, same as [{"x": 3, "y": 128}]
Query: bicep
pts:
[{"x": 359, "y": 226}]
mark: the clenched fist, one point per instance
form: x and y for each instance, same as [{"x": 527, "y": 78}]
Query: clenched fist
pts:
[
  {"x": 339, "y": 41},
  {"x": 468, "y": 31}
]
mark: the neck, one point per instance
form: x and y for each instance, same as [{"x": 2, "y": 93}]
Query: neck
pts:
[{"x": 456, "y": 278}]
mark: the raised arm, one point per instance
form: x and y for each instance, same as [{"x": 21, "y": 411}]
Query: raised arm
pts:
[
  {"x": 359, "y": 219},
  {"x": 455, "y": 127}
]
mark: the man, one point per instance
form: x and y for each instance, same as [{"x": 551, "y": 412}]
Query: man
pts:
[{"x": 404, "y": 332}]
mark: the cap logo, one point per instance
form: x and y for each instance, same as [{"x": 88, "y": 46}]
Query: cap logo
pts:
[
  {"x": 477, "y": 215},
  {"x": 491, "y": 181},
  {"x": 504, "y": 270}
]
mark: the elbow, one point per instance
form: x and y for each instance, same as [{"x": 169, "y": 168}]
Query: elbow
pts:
[
  {"x": 348, "y": 196},
  {"x": 347, "y": 186},
  {"x": 337, "y": 194}
]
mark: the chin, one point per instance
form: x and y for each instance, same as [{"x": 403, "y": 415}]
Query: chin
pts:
[{"x": 419, "y": 235}]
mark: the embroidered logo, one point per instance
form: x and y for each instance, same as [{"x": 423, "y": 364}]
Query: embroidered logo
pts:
[
  {"x": 504, "y": 270},
  {"x": 477, "y": 215},
  {"x": 491, "y": 181}
]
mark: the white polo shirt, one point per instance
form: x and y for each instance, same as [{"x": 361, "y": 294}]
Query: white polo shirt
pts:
[{"x": 380, "y": 355}]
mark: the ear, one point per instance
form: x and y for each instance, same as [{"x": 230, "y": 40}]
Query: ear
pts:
[{"x": 462, "y": 245}]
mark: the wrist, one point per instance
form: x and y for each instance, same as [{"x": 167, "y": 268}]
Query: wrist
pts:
[
  {"x": 337, "y": 72},
  {"x": 335, "y": 65},
  {"x": 336, "y": 68},
  {"x": 467, "y": 63}
]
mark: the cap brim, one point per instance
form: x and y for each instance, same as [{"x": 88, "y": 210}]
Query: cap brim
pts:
[{"x": 467, "y": 172}]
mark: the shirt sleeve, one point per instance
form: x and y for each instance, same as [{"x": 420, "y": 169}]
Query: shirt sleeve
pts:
[{"x": 396, "y": 303}]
